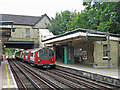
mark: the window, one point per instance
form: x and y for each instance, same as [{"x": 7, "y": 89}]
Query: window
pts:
[
  {"x": 26, "y": 55},
  {"x": 40, "y": 54},
  {"x": 31, "y": 54},
  {"x": 45, "y": 54},
  {"x": 105, "y": 50},
  {"x": 51, "y": 53},
  {"x": 27, "y": 33}
]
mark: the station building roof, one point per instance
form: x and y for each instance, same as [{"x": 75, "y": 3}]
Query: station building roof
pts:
[
  {"x": 83, "y": 33},
  {"x": 21, "y": 19}
]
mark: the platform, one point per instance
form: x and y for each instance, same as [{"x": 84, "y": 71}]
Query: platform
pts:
[
  {"x": 110, "y": 76},
  {"x": 6, "y": 76},
  {"x": 113, "y": 72}
]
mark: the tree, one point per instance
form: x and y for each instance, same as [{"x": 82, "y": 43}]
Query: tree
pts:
[
  {"x": 101, "y": 16},
  {"x": 59, "y": 24}
]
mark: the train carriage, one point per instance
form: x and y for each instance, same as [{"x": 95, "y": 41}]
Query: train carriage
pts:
[{"x": 43, "y": 57}]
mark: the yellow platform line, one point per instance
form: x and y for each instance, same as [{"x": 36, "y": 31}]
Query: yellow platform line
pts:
[
  {"x": 8, "y": 81},
  {"x": 88, "y": 70}
]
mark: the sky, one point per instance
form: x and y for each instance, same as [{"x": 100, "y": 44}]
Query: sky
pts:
[{"x": 39, "y": 7}]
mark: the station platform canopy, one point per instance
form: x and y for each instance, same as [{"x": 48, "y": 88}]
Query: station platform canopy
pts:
[{"x": 82, "y": 35}]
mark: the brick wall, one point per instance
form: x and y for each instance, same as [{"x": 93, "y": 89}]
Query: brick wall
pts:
[{"x": 98, "y": 54}]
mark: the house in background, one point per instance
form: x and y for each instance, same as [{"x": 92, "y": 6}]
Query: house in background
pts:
[
  {"x": 25, "y": 32},
  {"x": 44, "y": 34}
]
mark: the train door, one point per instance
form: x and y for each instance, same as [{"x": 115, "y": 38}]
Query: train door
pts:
[
  {"x": 21, "y": 55},
  {"x": 24, "y": 53},
  {"x": 32, "y": 57},
  {"x": 29, "y": 55},
  {"x": 26, "y": 56}
]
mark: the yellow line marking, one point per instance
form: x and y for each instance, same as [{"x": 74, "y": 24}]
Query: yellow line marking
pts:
[
  {"x": 8, "y": 81},
  {"x": 87, "y": 70}
]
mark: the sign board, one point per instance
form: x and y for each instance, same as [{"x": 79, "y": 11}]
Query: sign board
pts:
[
  {"x": 84, "y": 55},
  {"x": 5, "y": 28}
]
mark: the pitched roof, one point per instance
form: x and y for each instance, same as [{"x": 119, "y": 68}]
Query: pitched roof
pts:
[{"x": 22, "y": 19}]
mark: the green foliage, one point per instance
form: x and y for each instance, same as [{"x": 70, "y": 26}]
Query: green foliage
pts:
[
  {"x": 101, "y": 16},
  {"x": 10, "y": 51},
  {"x": 61, "y": 23}
]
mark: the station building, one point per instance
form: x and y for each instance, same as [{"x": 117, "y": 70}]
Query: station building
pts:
[
  {"x": 25, "y": 30},
  {"x": 82, "y": 46}
]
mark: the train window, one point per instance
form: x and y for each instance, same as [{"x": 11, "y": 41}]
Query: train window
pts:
[
  {"x": 40, "y": 54},
  {"x": 31, "y": 54},
  {"x": 26, "y": 54},
  {"x": 45, "y": 53},
  {"x": 22, "y": 54},
  {"x": 46, "y": 56},
  {"x": 51, "y": 53}
]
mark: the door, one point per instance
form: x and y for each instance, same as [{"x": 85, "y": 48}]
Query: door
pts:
[{"x": 68, "y": 55}]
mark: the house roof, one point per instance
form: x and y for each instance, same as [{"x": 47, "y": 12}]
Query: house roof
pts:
[{"x": 21, "y": 19}]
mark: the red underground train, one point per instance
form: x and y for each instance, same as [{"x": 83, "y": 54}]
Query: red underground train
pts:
[{"x": 43, "y": 57}]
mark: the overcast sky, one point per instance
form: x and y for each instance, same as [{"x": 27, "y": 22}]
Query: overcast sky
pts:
[{"x": 39, "y": 7}]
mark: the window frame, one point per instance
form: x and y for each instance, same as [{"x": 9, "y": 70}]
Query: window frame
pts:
[
  {"x": 105, "y": 51},
  {"x": 27, "y": 33}
]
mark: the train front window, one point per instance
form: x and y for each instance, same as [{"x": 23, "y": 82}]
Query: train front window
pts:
[
  {"x": 40, "y": 54},
  {"x": 46, "y": 53},
  {"x": 51, "y": 53}
]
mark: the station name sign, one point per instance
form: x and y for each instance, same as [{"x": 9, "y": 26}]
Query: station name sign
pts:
[{"x": 5, "y": 26}]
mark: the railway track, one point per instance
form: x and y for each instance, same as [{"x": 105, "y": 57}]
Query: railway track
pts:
[
  {"x": 70, "y": 80},
  {"x": 23, "y": 80},
  {"x": 29, "y": 80},
  {"x": 99, "y": 83}
]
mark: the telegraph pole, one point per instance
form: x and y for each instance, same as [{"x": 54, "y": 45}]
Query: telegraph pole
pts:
[{"x": 108, "y": 45}]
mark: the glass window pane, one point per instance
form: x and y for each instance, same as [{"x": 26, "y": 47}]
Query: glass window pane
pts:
[
  {"x": 105, "y": 53},
  {"x": 27, "y": 33},
  {"x": 40, "y": 54}
]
